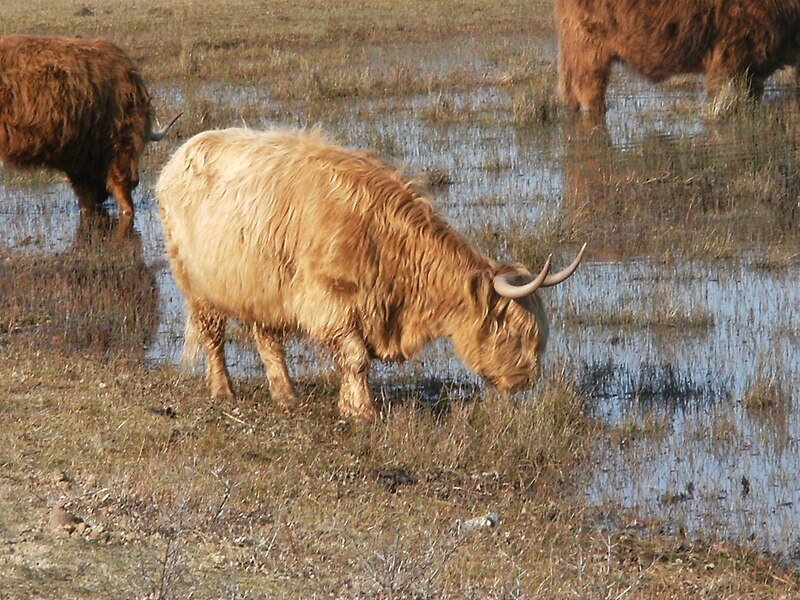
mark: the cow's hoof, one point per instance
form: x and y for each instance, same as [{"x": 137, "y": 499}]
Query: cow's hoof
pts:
[
  {"x": 285, "y": 401},
  {"x": 222, "y": 393},
  {"x": 282, "y": 394},
  {"x": 362, "y": 413}
]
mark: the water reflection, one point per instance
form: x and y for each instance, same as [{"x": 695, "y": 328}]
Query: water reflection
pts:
[{"x": 96, "y": 295}]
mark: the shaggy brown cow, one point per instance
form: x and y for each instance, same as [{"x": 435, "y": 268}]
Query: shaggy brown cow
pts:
[
  {"x": 77, "y": 106},
  {"x": 294, "y": 235},
  {"x": 723, "y": 39}
]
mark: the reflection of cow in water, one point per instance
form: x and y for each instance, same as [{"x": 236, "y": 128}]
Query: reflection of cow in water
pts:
[
  {"x": 660, "y": 196},
  {"x": 97, "y": 296},
  {"x": 77, "y": 106},
  {"x": 723, "y": 39}
]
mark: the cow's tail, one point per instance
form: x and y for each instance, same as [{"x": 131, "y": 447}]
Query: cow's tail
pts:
[{"x": 191, "y": 345}]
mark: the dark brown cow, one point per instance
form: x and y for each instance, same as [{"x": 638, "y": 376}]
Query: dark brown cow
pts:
[
  {"x": 723, "y": 39},
  {"x": 77, "y": 106}
]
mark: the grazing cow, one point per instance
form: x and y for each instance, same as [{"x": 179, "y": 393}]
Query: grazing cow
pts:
[
  {"x": 723, "y": 39},
  {"x": 293, "y": 235},
  {"x": 77, "y": 106}
]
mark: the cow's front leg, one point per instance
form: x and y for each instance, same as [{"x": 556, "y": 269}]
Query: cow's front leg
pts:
[
  {"x": 355, "y": 400},
  {"x": 122, "y": 194},
  {"x": 123, "y": 177},
  {"x": 270, "y": 349}
]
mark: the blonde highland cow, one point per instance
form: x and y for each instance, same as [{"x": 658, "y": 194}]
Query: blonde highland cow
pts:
[{"x": 294, "y": 235}]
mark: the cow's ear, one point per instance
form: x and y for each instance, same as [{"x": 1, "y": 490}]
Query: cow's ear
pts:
[{"x": 480, "y": 291}]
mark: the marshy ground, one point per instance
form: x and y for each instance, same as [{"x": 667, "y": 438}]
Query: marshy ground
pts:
[{"x": 657, "y": 457}]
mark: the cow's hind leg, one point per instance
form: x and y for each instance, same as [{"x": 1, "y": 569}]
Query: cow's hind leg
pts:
[
  {"x": 209, "y": 326},
  {"x": 355, "y": 399},
  {"x": 270, "y": 349},
  {"x": 729, "y": 82}
]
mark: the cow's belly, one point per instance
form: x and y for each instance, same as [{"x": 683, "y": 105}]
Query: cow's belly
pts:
[{"x": 242, "y": 286}]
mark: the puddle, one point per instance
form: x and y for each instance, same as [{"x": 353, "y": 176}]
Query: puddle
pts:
[
  {"x": 672, "y": 373},
  {"x": 692, "y": 383}
]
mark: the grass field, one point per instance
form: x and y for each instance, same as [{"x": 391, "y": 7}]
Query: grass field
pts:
[{"x": 181, "y": 497}]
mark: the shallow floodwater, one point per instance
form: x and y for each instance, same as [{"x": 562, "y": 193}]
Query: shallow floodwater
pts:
[{"x": 682, "y": 446}]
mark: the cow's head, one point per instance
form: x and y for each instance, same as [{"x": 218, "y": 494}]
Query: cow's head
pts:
[{"x": 508, "y": 330}]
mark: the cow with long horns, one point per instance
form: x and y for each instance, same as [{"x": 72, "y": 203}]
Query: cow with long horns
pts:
[
  {"x": 77, "y": 106},
  {"x": 294, "y": 235}
]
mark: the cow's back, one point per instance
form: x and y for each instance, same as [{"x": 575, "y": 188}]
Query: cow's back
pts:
[
  {"x": 258, "y": 225},
  {"x": 661, "y": 39},
  {"x": 62, "y": 98},
  {"x": 655, "y": 39}
]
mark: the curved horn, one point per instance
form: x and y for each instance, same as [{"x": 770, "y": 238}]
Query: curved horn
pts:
[
  {"x": 557, "y": 278},
  {"x": 508, "y": 290},
  {"x": 157, "y": 136}
]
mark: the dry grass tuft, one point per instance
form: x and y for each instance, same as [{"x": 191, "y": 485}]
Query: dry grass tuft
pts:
[
  {"x": 537, "y": 103},
  {"x": 514, "y": 445},
  {"x": 520, "y": 242},
  {"x": 767, "y": 396}
]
